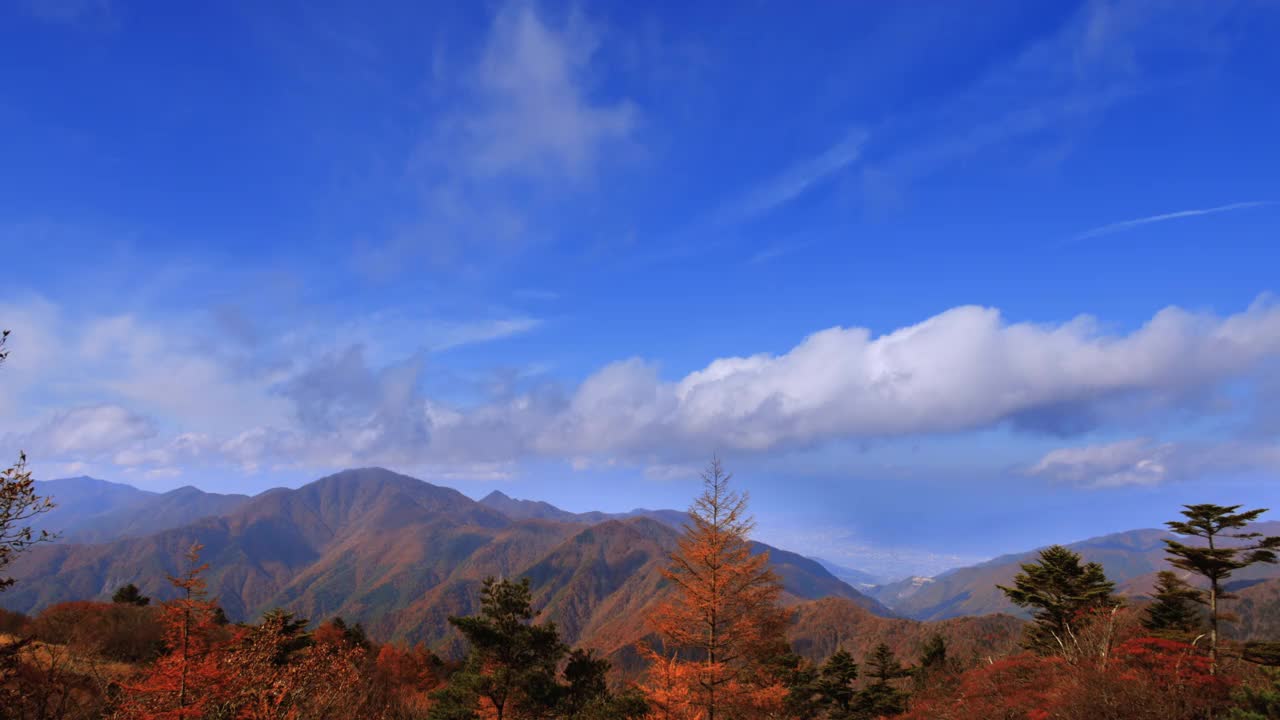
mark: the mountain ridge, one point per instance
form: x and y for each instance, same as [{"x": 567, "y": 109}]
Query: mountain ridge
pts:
[{"x": 400, "y": 555}]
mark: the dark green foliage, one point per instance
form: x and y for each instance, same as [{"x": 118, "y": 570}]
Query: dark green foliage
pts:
[
  {"x": 1212, "y": 561},
  {"x": 933, "y": 656},
  {"x": 585, "y": 694},
  {"x": 835, "y": 683},
  {"x": 1175, "y": 609},
  {"x": 800, "y": 678},
  {"x": 354, "y": 634},
  {"x": 512, "y": 665},
  {"x": 130, "y": 595},
  {"x": 830, "y": 692},
  {"x": 934, "y": 662},
  {"x": 1060, "y": 589},
  {"x": 1257, "y": 703},
  {"x": 881, "y": 697},
  {"x": 289, "y": 631},
  {"x": 512, "y": 662}
]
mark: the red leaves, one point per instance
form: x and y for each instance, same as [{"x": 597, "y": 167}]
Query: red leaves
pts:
[{"x": 1144, "y": 678}]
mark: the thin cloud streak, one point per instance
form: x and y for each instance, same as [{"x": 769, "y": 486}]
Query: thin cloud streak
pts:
[
  {"x": 797, "y": 180},
  {"x": 1139, "y": 222}
]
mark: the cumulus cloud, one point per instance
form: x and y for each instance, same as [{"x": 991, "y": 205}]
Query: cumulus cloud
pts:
[
  {"x": 1143, "y": 461},
  {"x": 965, "y": 369},
  {"x": 962, "y": 370}
]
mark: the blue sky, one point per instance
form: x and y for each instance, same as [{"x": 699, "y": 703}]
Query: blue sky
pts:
[{"x": 938, "y": 282}]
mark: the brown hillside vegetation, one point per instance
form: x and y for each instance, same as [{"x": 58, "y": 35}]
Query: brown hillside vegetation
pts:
[
  {"x": 398, "y": 555},
  {"x": 821, "y": 627}
]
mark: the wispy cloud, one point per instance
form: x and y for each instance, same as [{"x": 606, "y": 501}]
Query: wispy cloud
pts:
[
  {"x": 796, "y": 180},
  {"x": 1165, "y": 217}
]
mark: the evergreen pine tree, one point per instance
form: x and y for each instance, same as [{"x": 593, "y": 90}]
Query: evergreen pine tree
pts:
[
  {"x": 933, "y": 661},
  {"x": 1173, "y": 610},
  {"x": 512, "y": 662},
  {"x": 881, "y": 698},
  {"x": 835, "y": 684},
  {"x": 1214, "y": 561},
  {"x": 1060, "y": 589},
  {"x": 130, "y": 595}
]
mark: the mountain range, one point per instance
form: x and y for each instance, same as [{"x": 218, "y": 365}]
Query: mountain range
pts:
[
  {"x": 395, "y": 553},
  {"x": 1131, "y": 559},
  {"x": 401, "y": 555}
]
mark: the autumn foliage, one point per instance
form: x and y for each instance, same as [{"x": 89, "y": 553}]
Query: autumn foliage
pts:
[
  {"x": 717, "y": 649},
  {"x": 722, "y": 623},
  {"x": 1141, "y": 678},
  {"x": 192, "y": 675}
]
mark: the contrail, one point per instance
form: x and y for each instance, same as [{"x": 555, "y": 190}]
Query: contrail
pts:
[{"x": 1129, "y": 224}]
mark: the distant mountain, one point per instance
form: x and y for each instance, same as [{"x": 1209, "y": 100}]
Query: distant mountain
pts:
[
  {"x": 898, "y": 592},
  {"x": 91, "y": 510},
  {"x": 1131, "y": 559},
  {"x": 538, "y": 510},
  {"x": 399, "y": 555},
  {"x": 857, "y": 578},
  {"x": 1257, "y": 612}
]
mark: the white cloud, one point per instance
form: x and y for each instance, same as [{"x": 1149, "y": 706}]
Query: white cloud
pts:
[
  {"x": 963, "y": 370},
  {"x": 1127, "y": 462},
  {"x": 1142, "y": 461},
  {"x": 87, "y": 432}
]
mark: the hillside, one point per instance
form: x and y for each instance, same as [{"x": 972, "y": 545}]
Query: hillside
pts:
[
  {"x": 820, "y": 627},
  {"x": 399, "y": 555},
  {"x": 1131, "y": 559}
]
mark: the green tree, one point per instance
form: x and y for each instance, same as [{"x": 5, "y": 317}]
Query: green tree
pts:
[
  {"x": 881, "y": 697},
  {"x": 130, "y": 595},
  {"x": 933, "y": 661},
  {"x": 1216, "y": 561},
  {"x": 834, "y": 684},
  {"x": 585, "y": 694},
  {"x": 287, "y": 631},
  {"x": 1174, "y": 610},
  {"x": 512, "y": 662},
  {"x": 1061, "y": 590}
]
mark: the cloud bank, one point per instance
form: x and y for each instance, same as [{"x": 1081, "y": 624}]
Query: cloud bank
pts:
[{"x": 158, "y": 402}]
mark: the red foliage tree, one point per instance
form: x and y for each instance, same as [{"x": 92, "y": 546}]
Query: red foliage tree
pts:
[
  {"x": 723, "y": 615},
  {"x": 190, "y": 677}
]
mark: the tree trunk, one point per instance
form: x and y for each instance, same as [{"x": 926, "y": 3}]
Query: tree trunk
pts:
[{"x": 1213, "y": 620}]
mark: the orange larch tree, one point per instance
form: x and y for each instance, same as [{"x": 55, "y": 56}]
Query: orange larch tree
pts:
[
  {"x": 190, "y": 676},
  {"x": 724, "y": 614}
]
